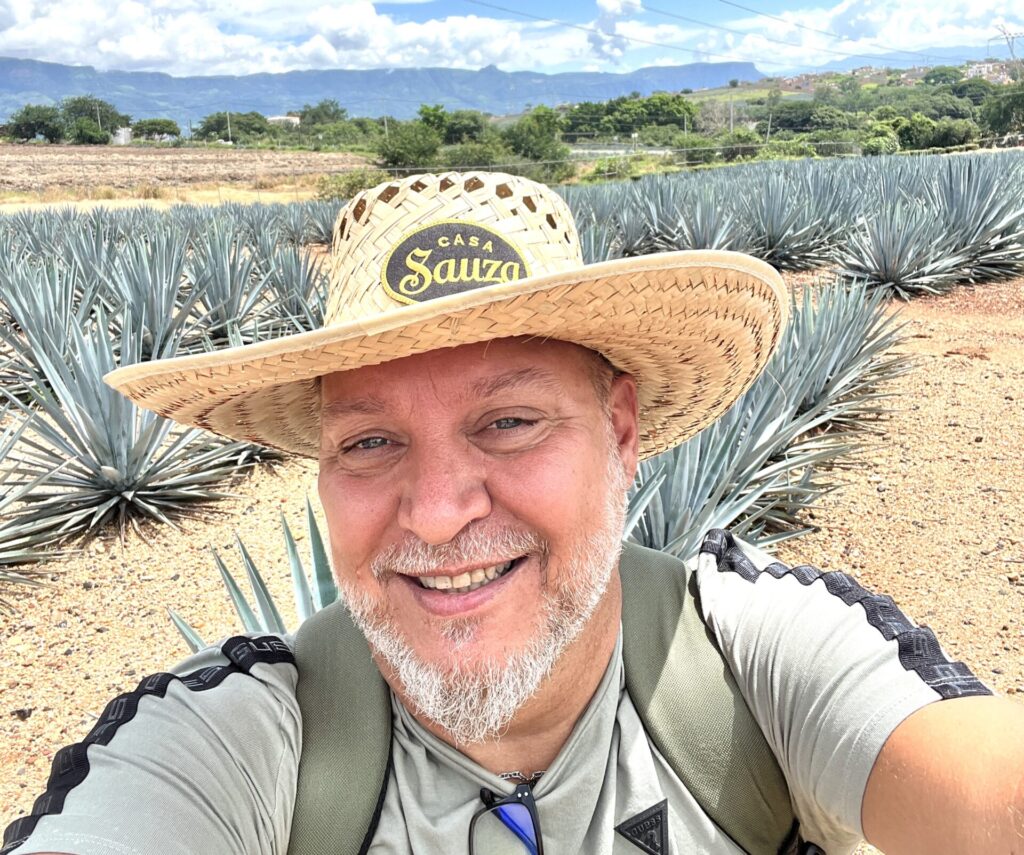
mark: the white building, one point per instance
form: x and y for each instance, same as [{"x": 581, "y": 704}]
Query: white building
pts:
[{"x": 283, "y": 120}]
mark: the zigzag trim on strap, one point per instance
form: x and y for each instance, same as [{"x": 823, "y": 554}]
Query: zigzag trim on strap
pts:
[
  {"x": 919, "y": 649},
  {"x": 71, "y": 764}
]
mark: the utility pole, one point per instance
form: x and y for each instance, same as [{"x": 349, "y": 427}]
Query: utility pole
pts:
[
  {"x": 1011, "y": 38},
  {"x": 768, "y": 133},
  {"x": 730, "y": 113},
  {"x": 229, "y": 125},
  {"x": 386, "y": 136},
  {"x": 98, "y": 122}
]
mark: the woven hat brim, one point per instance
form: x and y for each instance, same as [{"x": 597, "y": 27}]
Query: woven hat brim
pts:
[{"x": 695, "y": 328}]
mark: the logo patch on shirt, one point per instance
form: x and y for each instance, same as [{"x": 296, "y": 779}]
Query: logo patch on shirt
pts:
[
  {"x": 450, "y": 257},
  {"x": 648, "y": 831}
]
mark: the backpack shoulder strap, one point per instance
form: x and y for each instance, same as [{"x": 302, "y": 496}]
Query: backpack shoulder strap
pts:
[
  {"x": 692, "y": 708},
  {"x": 346, "y": 738}
]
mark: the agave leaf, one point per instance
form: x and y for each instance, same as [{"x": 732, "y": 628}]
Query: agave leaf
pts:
[
  {"x": 640, "y": 498},
  {"x": 272, "y": 621},
  {"x": 242, "y": 607},
  {"x": 304, "y": 606},
  {"x": 192, "y": 638},
  {"x": 325, "y": 590}
]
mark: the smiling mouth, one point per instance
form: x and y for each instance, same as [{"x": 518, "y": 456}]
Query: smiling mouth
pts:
[{"x": 466, "y": 582}]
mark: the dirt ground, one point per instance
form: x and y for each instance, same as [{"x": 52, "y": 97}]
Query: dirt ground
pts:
[
  {"x": 80, "y": 171},
  {"x": 933, "y": 516}
]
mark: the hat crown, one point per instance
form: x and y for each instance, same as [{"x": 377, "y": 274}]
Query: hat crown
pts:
[{"x": 430, "y": 236}]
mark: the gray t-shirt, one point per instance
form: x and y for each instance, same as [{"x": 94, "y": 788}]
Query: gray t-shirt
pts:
[{"x": 209, "y": 763}]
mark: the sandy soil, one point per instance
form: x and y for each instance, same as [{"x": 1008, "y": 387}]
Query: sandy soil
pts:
[{"x": 932, "y": 517}]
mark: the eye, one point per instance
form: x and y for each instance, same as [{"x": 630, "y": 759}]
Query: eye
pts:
[
  {"x": 511, "y": 423},
  {"x": 370, "y": 443}
]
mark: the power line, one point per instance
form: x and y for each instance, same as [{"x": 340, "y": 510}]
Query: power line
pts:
[
  {"x": 677, "y": 17},
  {"x": 832, "y": 33},
  {"x": 600, "y": 32}
]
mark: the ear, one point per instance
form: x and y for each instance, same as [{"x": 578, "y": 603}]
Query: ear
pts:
[{"x": 625, "y": 416}]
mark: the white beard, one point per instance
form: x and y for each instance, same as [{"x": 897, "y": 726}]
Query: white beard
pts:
[{"x": 475, "y": 705}]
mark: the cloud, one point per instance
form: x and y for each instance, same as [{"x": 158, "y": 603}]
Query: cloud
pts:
[
  {"x": 248, "y": 36},
  {"x": 865, "y": 29}
]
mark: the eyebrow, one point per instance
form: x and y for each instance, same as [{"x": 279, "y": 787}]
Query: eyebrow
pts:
[
  {"x": 351, "y": 407},
  {"x": 518, "y": 379},
  {"x": 488, "y": 387}
]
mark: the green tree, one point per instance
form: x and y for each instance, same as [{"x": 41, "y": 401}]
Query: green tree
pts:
[
  {"x": 881, "y": 139},
  {"x": 953, "y": 132},
  {"x": 149, "y": 128},
  {"x": 1003, "y": 111},
  {"x": 536, "y": 135},
  {"x": 36, "y": 120},
  {"x": 734, "y": 83},
  {"x": 409, "y": 144},
  {"x": 827, "y": 117},
  {"x": 106, "y": 116},
  {"x": 243, "y": 126},
  {"x": 915, "y": 132},
  {"x": 464, "y": 126},
  {"x": 943, "y": 75},
  {"x": 740, "y": 144},
  {"x": 87, "y": 132},
  {"x": 974, "y": 89},
  {"x": 491, "y": 151},
  {"x": 325, "y": 112},
  {"x": 434, "y": 117}
]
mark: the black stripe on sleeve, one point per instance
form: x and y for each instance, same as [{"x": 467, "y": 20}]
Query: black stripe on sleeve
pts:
[
  {"x": 918, "y": 648},
  {"x": 71, "y": 764}
]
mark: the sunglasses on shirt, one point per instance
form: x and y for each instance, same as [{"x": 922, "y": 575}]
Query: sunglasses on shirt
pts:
[{"x": 506, "y": 825}]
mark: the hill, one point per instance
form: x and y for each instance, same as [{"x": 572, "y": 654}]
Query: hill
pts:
[{"x": 372, "y": 92}]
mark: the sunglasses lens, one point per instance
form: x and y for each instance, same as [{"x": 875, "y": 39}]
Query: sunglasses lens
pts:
[{"x": 505, "y": 830}]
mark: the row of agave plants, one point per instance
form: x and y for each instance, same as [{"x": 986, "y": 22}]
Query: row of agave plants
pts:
[
  {"x": 909, "y": 225},
  {"x": 81, "y": 293}
]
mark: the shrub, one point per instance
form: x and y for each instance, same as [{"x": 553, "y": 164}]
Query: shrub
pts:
[
  {"x": 345, "y": 185},
  {"x": 87, "y": 132},
  {"x": 881, "y": 140},
  {"x": 409, "y": 145},
  {"x": 477, "y": 155},
  {"x": 778, "y": 149},
  {"x": 739, "y": 145}
]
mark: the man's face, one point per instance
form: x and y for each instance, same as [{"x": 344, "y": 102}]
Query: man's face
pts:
[{"x": 474, "y": 499}]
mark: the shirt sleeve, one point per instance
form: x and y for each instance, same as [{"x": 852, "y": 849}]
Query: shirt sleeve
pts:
[
  {"x": 828, "y": 670},
  {"x": 202, "y": 760}
]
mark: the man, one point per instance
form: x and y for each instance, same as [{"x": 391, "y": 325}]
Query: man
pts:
[{"x": 478, "y": 401}]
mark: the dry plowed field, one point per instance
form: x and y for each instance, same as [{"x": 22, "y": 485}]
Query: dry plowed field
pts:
[{"x": 35, "y": 168}]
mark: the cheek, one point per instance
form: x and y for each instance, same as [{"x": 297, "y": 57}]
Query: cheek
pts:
[
  {"x": 357, "y": 521},
  {"x": 550, "y": 492}
]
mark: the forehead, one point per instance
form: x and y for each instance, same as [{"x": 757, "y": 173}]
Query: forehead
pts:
[{"x": 469, "y": 372}]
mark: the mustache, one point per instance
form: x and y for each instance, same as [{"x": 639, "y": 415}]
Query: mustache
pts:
[{"x": 476, "y": 545}]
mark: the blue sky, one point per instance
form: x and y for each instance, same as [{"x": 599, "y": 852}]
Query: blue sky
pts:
[{"x": 247, "y": 36}]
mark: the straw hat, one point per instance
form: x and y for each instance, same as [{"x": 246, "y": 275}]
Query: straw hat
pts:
[{"x": 434, "y": 261}]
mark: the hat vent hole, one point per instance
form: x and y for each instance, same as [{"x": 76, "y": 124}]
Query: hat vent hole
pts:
[
  {"x": 389, "y": 193},
  {"x": 341, "y": 227},
  {"x": 528, "y": 201},
  {"x": 551, "y": 221},
  {"x": 503, "y": 191},
  {"x": 445, "y": 184},
  {"x": 418, "y": 187},
  {"x": 359, "y": 210},
  {"x": 472, "y": 184}
]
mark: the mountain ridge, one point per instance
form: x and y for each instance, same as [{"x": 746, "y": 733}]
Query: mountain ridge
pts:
[{"x": 396, "y": 92}]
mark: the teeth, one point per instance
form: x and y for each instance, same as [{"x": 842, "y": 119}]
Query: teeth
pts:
[{"x": 466, "y": 582}]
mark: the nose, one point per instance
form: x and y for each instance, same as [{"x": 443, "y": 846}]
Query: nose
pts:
[{"x": 445, "y": 491}]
